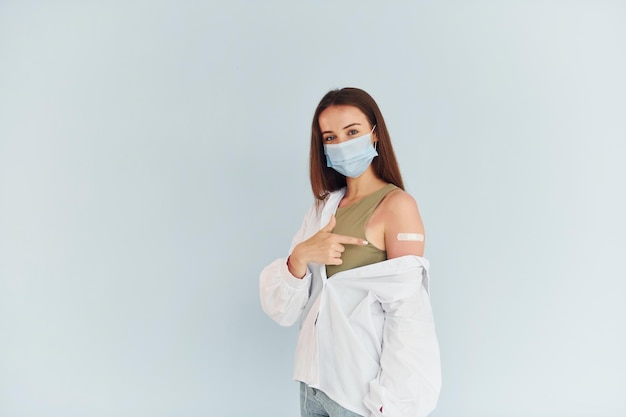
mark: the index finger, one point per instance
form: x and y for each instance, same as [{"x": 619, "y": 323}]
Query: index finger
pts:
[{"x": 349, "y": 240}]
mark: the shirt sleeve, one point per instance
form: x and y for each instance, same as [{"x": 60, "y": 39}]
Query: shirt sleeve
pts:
[
  {"x": 283, "y": 296},
  {"x": 409, "y": 380}
]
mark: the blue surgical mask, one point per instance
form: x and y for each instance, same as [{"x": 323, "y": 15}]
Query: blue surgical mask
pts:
[{"x": 352, "y": 157}]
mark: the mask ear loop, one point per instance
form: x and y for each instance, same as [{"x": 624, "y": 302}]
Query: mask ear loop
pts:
[{"x": 375, "y": 143}]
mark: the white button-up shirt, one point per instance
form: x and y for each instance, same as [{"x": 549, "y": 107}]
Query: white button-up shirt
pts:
[{"x": 367, "y": 337}]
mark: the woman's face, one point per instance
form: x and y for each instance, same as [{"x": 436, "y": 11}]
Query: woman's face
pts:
[{"x": 342, "y": 123}]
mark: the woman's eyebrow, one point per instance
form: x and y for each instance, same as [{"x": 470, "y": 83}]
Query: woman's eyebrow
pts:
[{"x": 350, "y": 125}]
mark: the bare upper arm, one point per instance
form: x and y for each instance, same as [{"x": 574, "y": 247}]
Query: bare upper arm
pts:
[{"x": 400, "y": 216}]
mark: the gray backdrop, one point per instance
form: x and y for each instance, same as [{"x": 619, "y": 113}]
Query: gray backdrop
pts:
[{"x": 153, "y": 158}]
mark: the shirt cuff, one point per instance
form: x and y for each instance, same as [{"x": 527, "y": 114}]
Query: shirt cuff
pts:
[{"x": 291, "y": 280}]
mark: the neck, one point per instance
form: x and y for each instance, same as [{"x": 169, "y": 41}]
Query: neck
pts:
[{"x": 363, "y": 185}]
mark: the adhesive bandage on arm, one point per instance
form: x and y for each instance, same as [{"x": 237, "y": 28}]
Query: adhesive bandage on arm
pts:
[{"x": 413, "y": 237}]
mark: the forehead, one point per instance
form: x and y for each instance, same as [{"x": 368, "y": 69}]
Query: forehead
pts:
[{"x": 337, "y": 117}]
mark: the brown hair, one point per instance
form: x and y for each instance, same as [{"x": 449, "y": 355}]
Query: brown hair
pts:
[{"x": 324, "y": 179}]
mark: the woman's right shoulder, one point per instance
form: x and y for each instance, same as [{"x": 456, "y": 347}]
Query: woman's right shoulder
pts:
[{"x": 317, "y": 207}]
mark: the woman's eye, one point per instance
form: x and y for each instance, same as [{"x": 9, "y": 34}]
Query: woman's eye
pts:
[
  {"x": 353, "y": 132},
  {"x": 329, "y": 138}
]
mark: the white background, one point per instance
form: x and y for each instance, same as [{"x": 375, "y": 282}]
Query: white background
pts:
[{"x": 153, "y": 158}]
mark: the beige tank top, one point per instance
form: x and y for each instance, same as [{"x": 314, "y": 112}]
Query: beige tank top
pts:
[{"x": 351, "y": 221}]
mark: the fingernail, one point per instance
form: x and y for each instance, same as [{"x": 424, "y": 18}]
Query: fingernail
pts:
[{"x": 365, "y": 242}]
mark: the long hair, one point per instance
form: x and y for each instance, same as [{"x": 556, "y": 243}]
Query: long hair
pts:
[{"x": 325, "y": 179}]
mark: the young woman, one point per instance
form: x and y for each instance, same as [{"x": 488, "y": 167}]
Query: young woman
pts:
[{"x": 355, "y": 276}]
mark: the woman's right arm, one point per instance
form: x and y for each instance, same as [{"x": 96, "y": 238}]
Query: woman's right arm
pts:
[
  {"x": 285, "y": 283},
  {"x": 283, "y": 295}
]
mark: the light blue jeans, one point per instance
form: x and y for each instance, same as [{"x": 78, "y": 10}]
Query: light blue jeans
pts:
[{"x": 314, "y": 403}]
